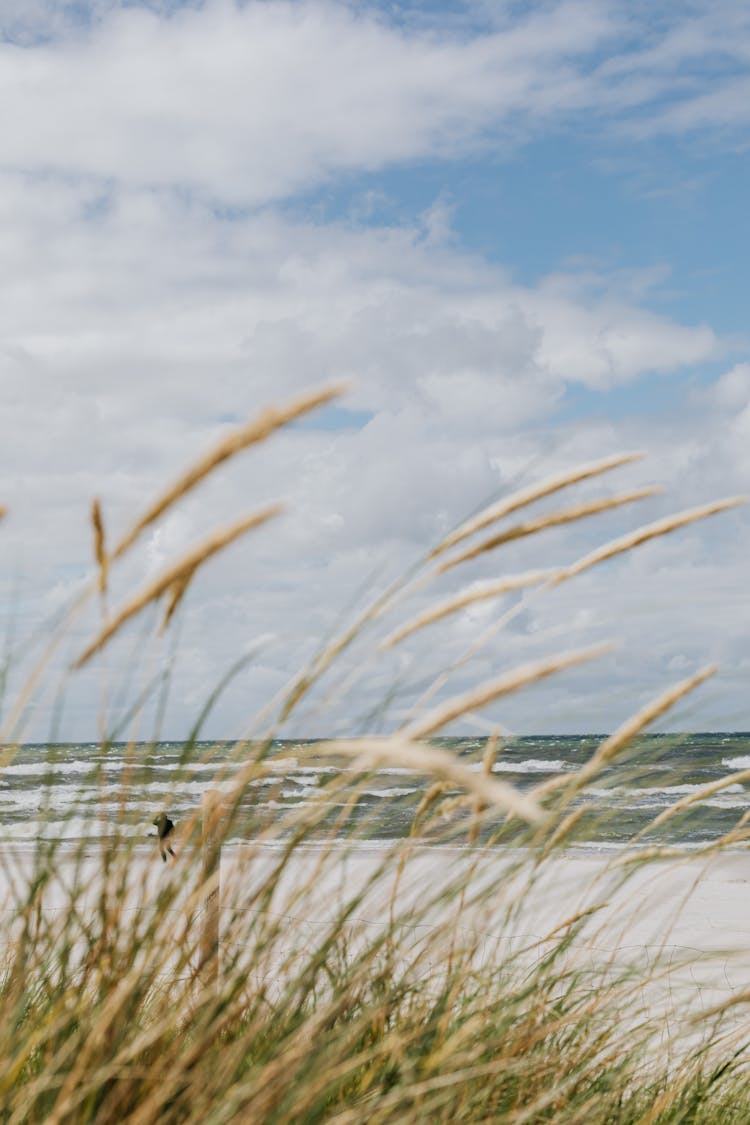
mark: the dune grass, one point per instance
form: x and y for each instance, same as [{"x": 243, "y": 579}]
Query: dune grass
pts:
[{"x": 347, "y": 983}]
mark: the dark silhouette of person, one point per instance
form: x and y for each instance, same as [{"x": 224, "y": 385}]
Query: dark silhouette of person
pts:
[{"x": 164, "y": 826}]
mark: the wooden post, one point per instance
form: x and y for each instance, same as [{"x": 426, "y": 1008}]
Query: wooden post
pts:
[{"x": 211, "y": 881}]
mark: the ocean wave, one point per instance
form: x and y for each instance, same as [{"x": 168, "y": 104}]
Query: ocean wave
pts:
[
  {"x": 61, "y": 797},
  {"x": 21, "y": 799},
  {"x": 295, "y": 806},
  {"x": 38, "y": 769},
  {"x": 742, "y": 762},
  {"x": 393, "y": 792},
  {"x": 675, "y": 790},
  {"x": 306, "y": 769},
  {"x": 192, "y": 767},
  {"x": 662, "y": 791},
  {"x": 530, "y": 765}
]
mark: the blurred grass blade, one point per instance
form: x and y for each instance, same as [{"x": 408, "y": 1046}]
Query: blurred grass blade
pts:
[
  {"x": 400, "y": 750},
  {"x": 485, "y": 693},
  {"x": 526, "y": 496},
  {"x": 643, "y": 534},
  {"x": 271, "y": 419},
  {"x": 186, "y": 566},
  {"x": 477, "y": 593},
  {"x": 543, "y": 522},
  {"x": 625, "y": 734}
]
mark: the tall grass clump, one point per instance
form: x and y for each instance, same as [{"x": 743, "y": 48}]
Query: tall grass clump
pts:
[{"x": 306, "y": 964}]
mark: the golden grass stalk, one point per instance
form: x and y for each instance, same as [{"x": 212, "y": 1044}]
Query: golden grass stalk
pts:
[
  {"x": 176, "y": 594},
  {"x": 550, "y": 519},
  {"x": 644, "y": 534},
  {"x": 521, "y": 499},
  {"x": 463, "y": 599},
  {"x": 564, "y": 828},
  {"x": 436, "y": 790},
  {"x": 626, "y": 543},
  {"x": 100, "y": 551},
  {"x": 266, "y": 423},
  {"x": 624, "y": 734},
  {"x": 490, "y": 754},
  {"x": 183, "y": 569},
  {"x": 641, "y": 856},
  {"x": 708, "y": 790},
  {"x": 486, "y": 692},
  {"x": 3, "y": 511},
  {"x": 732, "y": 1001},
  {"x": 574, "y": 919},
  {"x": 401, "y": 750},
  {"x": 488, "y": 761},
  {"x": 302, "y": 683},
  {"x": 736, "y": 835},
  {"x": 320, "y": 663}
]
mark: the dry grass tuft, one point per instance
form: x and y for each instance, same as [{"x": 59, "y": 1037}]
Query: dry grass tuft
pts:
[{"x": 405, "y": 997}]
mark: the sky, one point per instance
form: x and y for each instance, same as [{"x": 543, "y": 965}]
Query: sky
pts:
[{"x": 518, "y": 230}]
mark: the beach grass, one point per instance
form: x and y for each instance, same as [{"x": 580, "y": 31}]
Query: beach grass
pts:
[{"x": 306, "y": 975}]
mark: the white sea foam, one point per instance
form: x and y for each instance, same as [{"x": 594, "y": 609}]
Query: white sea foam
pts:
[
  {"x": 742, "y": 762},
  {"x": 289, "y": 806},
  {"x": 306, "y": 790},
  {"x": 669, "y": 791},
  {"x": 677, "y": 790},
  {"x": 62, "y": 797},
  {"x": 16, "y": 768},
  {"x": 530, "y": 765},
  {"x": 316, "y": 769},
  {"x": 192, "y": 767},
  {"x": 733, "y": 796},
  {"x": 19, "y": 799},
  {"x": 394, "y": 792}
]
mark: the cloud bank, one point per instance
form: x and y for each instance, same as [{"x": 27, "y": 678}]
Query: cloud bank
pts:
[{"x": 157, "y": 288}]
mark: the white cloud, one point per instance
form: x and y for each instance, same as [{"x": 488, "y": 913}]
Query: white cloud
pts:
[
  {"x": 129, "y": 336},
  {"x": 249, "y": 103},
  {"x": 137, "y": 318}
]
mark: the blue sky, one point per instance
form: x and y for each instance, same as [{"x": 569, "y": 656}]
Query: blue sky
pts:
[
  {"x": 659, "y": 215},
  {"x": 519, "y": 230},
  {"x": 565, "y": 201}
]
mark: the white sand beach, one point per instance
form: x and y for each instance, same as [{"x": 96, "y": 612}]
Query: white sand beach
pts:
[{"x": 689, "y": 917}]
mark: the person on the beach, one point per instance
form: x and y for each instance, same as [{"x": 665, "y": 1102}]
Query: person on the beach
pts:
[{"x": 163, "y": 828}]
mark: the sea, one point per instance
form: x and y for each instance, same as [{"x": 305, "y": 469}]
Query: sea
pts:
[{"x": 81, "y": 791}]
